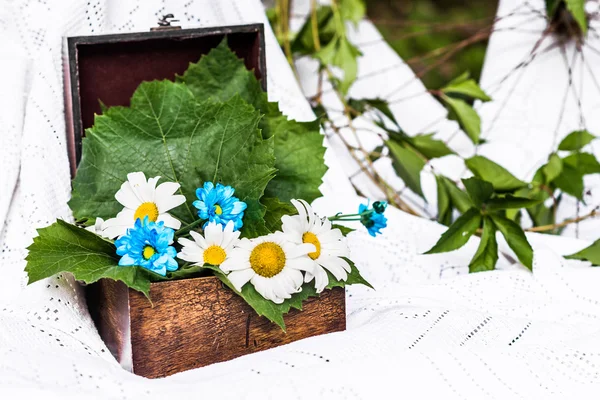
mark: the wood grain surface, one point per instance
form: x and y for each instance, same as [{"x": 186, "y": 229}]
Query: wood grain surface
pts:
[{"x": 197, "y": 322}]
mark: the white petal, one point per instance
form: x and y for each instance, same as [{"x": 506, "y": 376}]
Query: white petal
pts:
[
  {"x": 165, "y": 204},
  {"x": 234, "y": 263},
  {"x": 301, "y": 263},
  {"x": 299, "y": 250},
  {"x": 127, "y": 196},
  {"x": 139, "y": 185},
  {"x": 294, "y": 277},
  {"x": 229, "y": 236},
  {"x": 337, "y": 266},
  {"x": 240, "y": 278},
  {"x": 195, "y": 258},
  {"x": 114, "y": 231},
  {"x": 301, "y": 209},
  {"x": 165, "y": 189},
  {"x": 330, "y": 236},
  {"x": 320, "y": 277},
  {"x": 199, "y": 239},
  {"x": 169, "y": 221},
  {"x": 213, "y": 233},
  {"x": 151, "y": 185},
  {"x": 246, "y": 244},
  {"x": 325, "y": 227},
  {"x": 186, "y": 242},
  {"x": 293, "y": 228}
]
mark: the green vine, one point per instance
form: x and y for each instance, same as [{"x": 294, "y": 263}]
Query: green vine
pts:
[{"x": 493, "y": 200}]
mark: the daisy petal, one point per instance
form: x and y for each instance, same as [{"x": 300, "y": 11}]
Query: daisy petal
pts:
[
  {"x": 239, "y": 278},
  {"x": 169, "y": 221},
  {"x": 199, "y": 239},
  {"x": 127, "y": 197},
  {"x": 166, "y": 203}
]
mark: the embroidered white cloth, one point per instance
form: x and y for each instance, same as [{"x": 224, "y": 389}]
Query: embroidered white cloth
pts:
[{"x": 428, "y": 330}]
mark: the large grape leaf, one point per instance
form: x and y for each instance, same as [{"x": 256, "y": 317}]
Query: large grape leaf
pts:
[
  {"x": 62, "y": 247},
  {"x": 275, "y": 312},
  {"x": 167, "y": 132},
  {"x": 299, "y": 147}
]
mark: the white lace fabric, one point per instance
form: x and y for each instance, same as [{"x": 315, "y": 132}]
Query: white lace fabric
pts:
[{"x": 428, "y": 330}]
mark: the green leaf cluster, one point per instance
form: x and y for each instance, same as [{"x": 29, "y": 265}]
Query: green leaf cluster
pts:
[
  {"x": 456, "y": 97},
  {"x": 334, "y": 48},
  {"x": 487, "y": 213},
  {"x": 410, "y": 154},
  {"x": 63, "y": 247}
]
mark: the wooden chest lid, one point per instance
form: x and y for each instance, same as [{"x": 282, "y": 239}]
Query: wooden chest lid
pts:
[{"x": 108, "y": 68}]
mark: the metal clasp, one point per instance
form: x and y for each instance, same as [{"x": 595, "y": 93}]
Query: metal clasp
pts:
[{"x": 164, "y": 24}]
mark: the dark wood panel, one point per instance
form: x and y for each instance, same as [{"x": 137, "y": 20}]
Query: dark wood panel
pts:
[{"x": 197, "y": 322}]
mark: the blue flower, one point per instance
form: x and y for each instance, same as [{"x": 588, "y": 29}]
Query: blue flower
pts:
[
  {"x": 373, "y": 219},
  {"x": 219, "y": 205},
  {"x": 147, "y": 245}
]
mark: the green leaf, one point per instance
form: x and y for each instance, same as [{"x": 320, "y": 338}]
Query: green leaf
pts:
[
  {"x": 460, "y": 199},
  {"x": 62, "y": 247},
  {"x": 468, "y": 88},
  {"x": 275, "y": 312},
  {"x": 352, "y": 10},
  {"x": 577, "y": 10},
  {"x": 584, "y": 163},
  {"x": 487, "y": 253},
  {"x": 344, "y": 229},
  {"x": 515, "y": 237},
  {"x": 344, "y": 55},
  {"x": 479, "y": 190},
  {"x": 510, "y": 202},
  {"x": 299, "y": 150},
  {"x": 553, "y": 168},
  {"x": 407, "y": 164},
  {"x": 591, "y": 254},
  {"x": 363, "y": 105},
  {"x": 576, "y": 141},
  {"x": 275, "y": 210},
  {"x": 443, "y": 202},
  {"x": 166, "y": 133},
  {"x": 570, "y": 181},
  {"x": 304, "y": 43},
  {"x": 428, "y": 146},
  {"x": 465, "y": 115},
  {"x": 458, "y": 233},
  {"x": 498, "y": 176},
  {"x": 459, "y": 79}
]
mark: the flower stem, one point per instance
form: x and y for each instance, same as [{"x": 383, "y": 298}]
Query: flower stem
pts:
[{"x": 188, "y": 228}]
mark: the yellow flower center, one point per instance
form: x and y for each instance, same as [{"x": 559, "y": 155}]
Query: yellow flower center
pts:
[
  {"x": 147, "y": 209},
  {"x": 267, "y": 259},
  {"x": 214, "y": 255},
  {"x": 148, "y": 252},
  {"x": 311, "y": 238},
  {"x": 218, "y": 209}
]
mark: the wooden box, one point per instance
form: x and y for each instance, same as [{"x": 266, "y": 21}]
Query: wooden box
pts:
[
  {"x": 193, "y": 322},
  {"x": 197, "y": 322}
]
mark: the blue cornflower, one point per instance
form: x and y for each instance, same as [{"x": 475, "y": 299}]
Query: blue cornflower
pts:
[
  {"x": 147, "y": 245},
  {"x": 219, "y": 205},
  {"x": 373, "y": 219}
]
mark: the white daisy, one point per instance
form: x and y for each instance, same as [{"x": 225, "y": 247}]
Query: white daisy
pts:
[
  {"x": 307, "y": 227},
  {"x": 97, "y": 228},
  {"x": 213, "y": 248},
  {"x": 271, "y": 263},
  {"x": 142, "y": 198}
]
